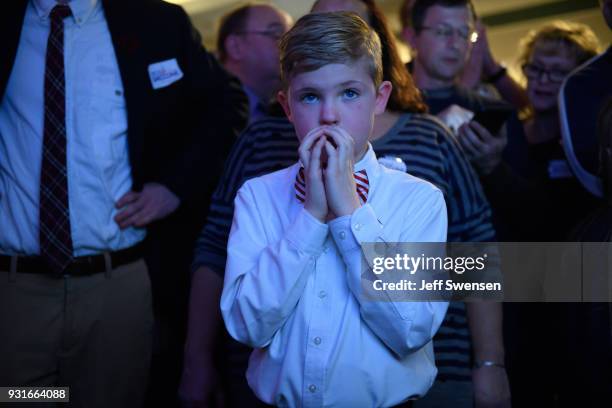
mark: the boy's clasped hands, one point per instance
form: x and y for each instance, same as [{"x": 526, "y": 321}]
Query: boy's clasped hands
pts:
[{"x": 327, "y": 154}]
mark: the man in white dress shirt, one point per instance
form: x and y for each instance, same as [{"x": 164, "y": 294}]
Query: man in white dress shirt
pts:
[{"x": 103, "y": 126}]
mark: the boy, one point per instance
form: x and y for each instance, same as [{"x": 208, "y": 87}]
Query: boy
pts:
[{"x": 293, "y": 277}]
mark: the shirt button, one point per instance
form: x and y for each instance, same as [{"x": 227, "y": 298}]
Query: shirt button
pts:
[
  {"x": 322, "y": 294},
  {"x": 342, "y": 234},
  {"x": 357, "y": 227},
  {"x": 312, "y": 388},
  {"x": 317, "y": 340},
  {"x": 117, "y": 92}
]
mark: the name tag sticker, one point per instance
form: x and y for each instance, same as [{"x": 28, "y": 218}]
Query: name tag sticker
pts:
[{"x": 164, "y": 73}]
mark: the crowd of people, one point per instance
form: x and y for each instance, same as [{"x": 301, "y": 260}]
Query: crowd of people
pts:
[{"x": 183, "y": 228}]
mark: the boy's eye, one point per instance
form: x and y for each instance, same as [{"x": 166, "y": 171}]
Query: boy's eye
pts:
[
  {"x": 350, "y": 93},
  {"x": 309, "y": 98}
]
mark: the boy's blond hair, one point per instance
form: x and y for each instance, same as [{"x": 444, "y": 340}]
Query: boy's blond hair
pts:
[{"x": 320, "y": 39}]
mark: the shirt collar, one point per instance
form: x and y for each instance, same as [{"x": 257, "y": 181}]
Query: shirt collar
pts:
[
  {"x": 369, "y": 163},
  {"x": 81, "y": 9}
]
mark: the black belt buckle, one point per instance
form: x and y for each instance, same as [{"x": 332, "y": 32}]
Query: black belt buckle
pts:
[{"x": 86, "y": 265}]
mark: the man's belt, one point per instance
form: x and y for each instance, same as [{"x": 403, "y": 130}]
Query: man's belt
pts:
[{"x": 80, "y": 266}]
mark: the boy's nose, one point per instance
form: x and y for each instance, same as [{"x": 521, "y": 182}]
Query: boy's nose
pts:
[{"x": 328, "y": 114}]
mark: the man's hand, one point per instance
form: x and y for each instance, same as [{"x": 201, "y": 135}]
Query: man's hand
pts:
[
  {"x": 489, "y": 65},
  {"x": 482, "y": 149},
  {"x": 491, "y": 387},
  {"x": 340, "y": 186},
  {"x": 473, "y": 70},
  {"x": 138, "y": 209},
  {"x": 311, "y": 152},
  {"x": 198, "y": 383},
  {"x": 481, "y": 64},
  {"x": 200, "y": 378}
]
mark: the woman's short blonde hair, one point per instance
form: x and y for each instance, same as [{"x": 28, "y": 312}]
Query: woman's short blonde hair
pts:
[
  {"x": 575, "y": 39},
  {"x": 320, "y": 39}
]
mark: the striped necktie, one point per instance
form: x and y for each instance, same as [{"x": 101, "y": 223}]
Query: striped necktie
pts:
[
  {"x": 55, "y": 239},
  {"x": 362, "y": 185}
]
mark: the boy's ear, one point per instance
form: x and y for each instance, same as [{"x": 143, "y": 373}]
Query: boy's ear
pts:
[
  {"x": 382, "y": 96},
  {"x": 283, "y": 99}
]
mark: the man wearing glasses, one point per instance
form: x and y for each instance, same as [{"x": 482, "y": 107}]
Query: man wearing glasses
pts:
[
  {"x": 247, "y": 44},
  {"x": 441, "y": 34}
]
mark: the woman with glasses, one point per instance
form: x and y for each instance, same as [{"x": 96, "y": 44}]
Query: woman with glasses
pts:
[
  {"x": 534, "y": 175},
  {"x": 548, "y": 54}
]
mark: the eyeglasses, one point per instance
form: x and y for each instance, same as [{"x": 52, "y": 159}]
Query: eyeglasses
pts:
[
  {"x": 445, "y": 32},
  {"x": 533, "y": 71},
  {"x": 273, "y": 34}
]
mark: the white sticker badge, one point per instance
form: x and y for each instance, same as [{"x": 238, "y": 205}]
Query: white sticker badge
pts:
[{"x": 164, "y": 73}]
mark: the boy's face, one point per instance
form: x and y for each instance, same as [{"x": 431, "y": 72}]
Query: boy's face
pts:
[
  {"x": 443, "y": 43},
  {"x": 335, "y": 95}
]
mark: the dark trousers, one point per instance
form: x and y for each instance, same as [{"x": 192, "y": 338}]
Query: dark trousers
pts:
[{"x": 90, "y": 333}]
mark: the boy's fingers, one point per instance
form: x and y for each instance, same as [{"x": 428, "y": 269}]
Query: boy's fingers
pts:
[
  {"x": 336, "y": 139},
  {"x": 332, "y": 155},
  {"x": 304, "y": 158},
  {"x": 338, "y": 135},
  {"x": 306, "y": 146},
  {"x": 304, "y": 155},
  {"x": 345, "y": 146},
  {"x": 315, "y": 159},
  {"x": 311, "y": 137}
]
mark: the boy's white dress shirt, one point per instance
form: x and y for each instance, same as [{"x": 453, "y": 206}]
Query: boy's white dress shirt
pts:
[{"x": 293, "y": 287}]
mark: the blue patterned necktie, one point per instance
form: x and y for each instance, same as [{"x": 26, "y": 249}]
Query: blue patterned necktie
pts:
[{"x": 55, "y": 238}]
